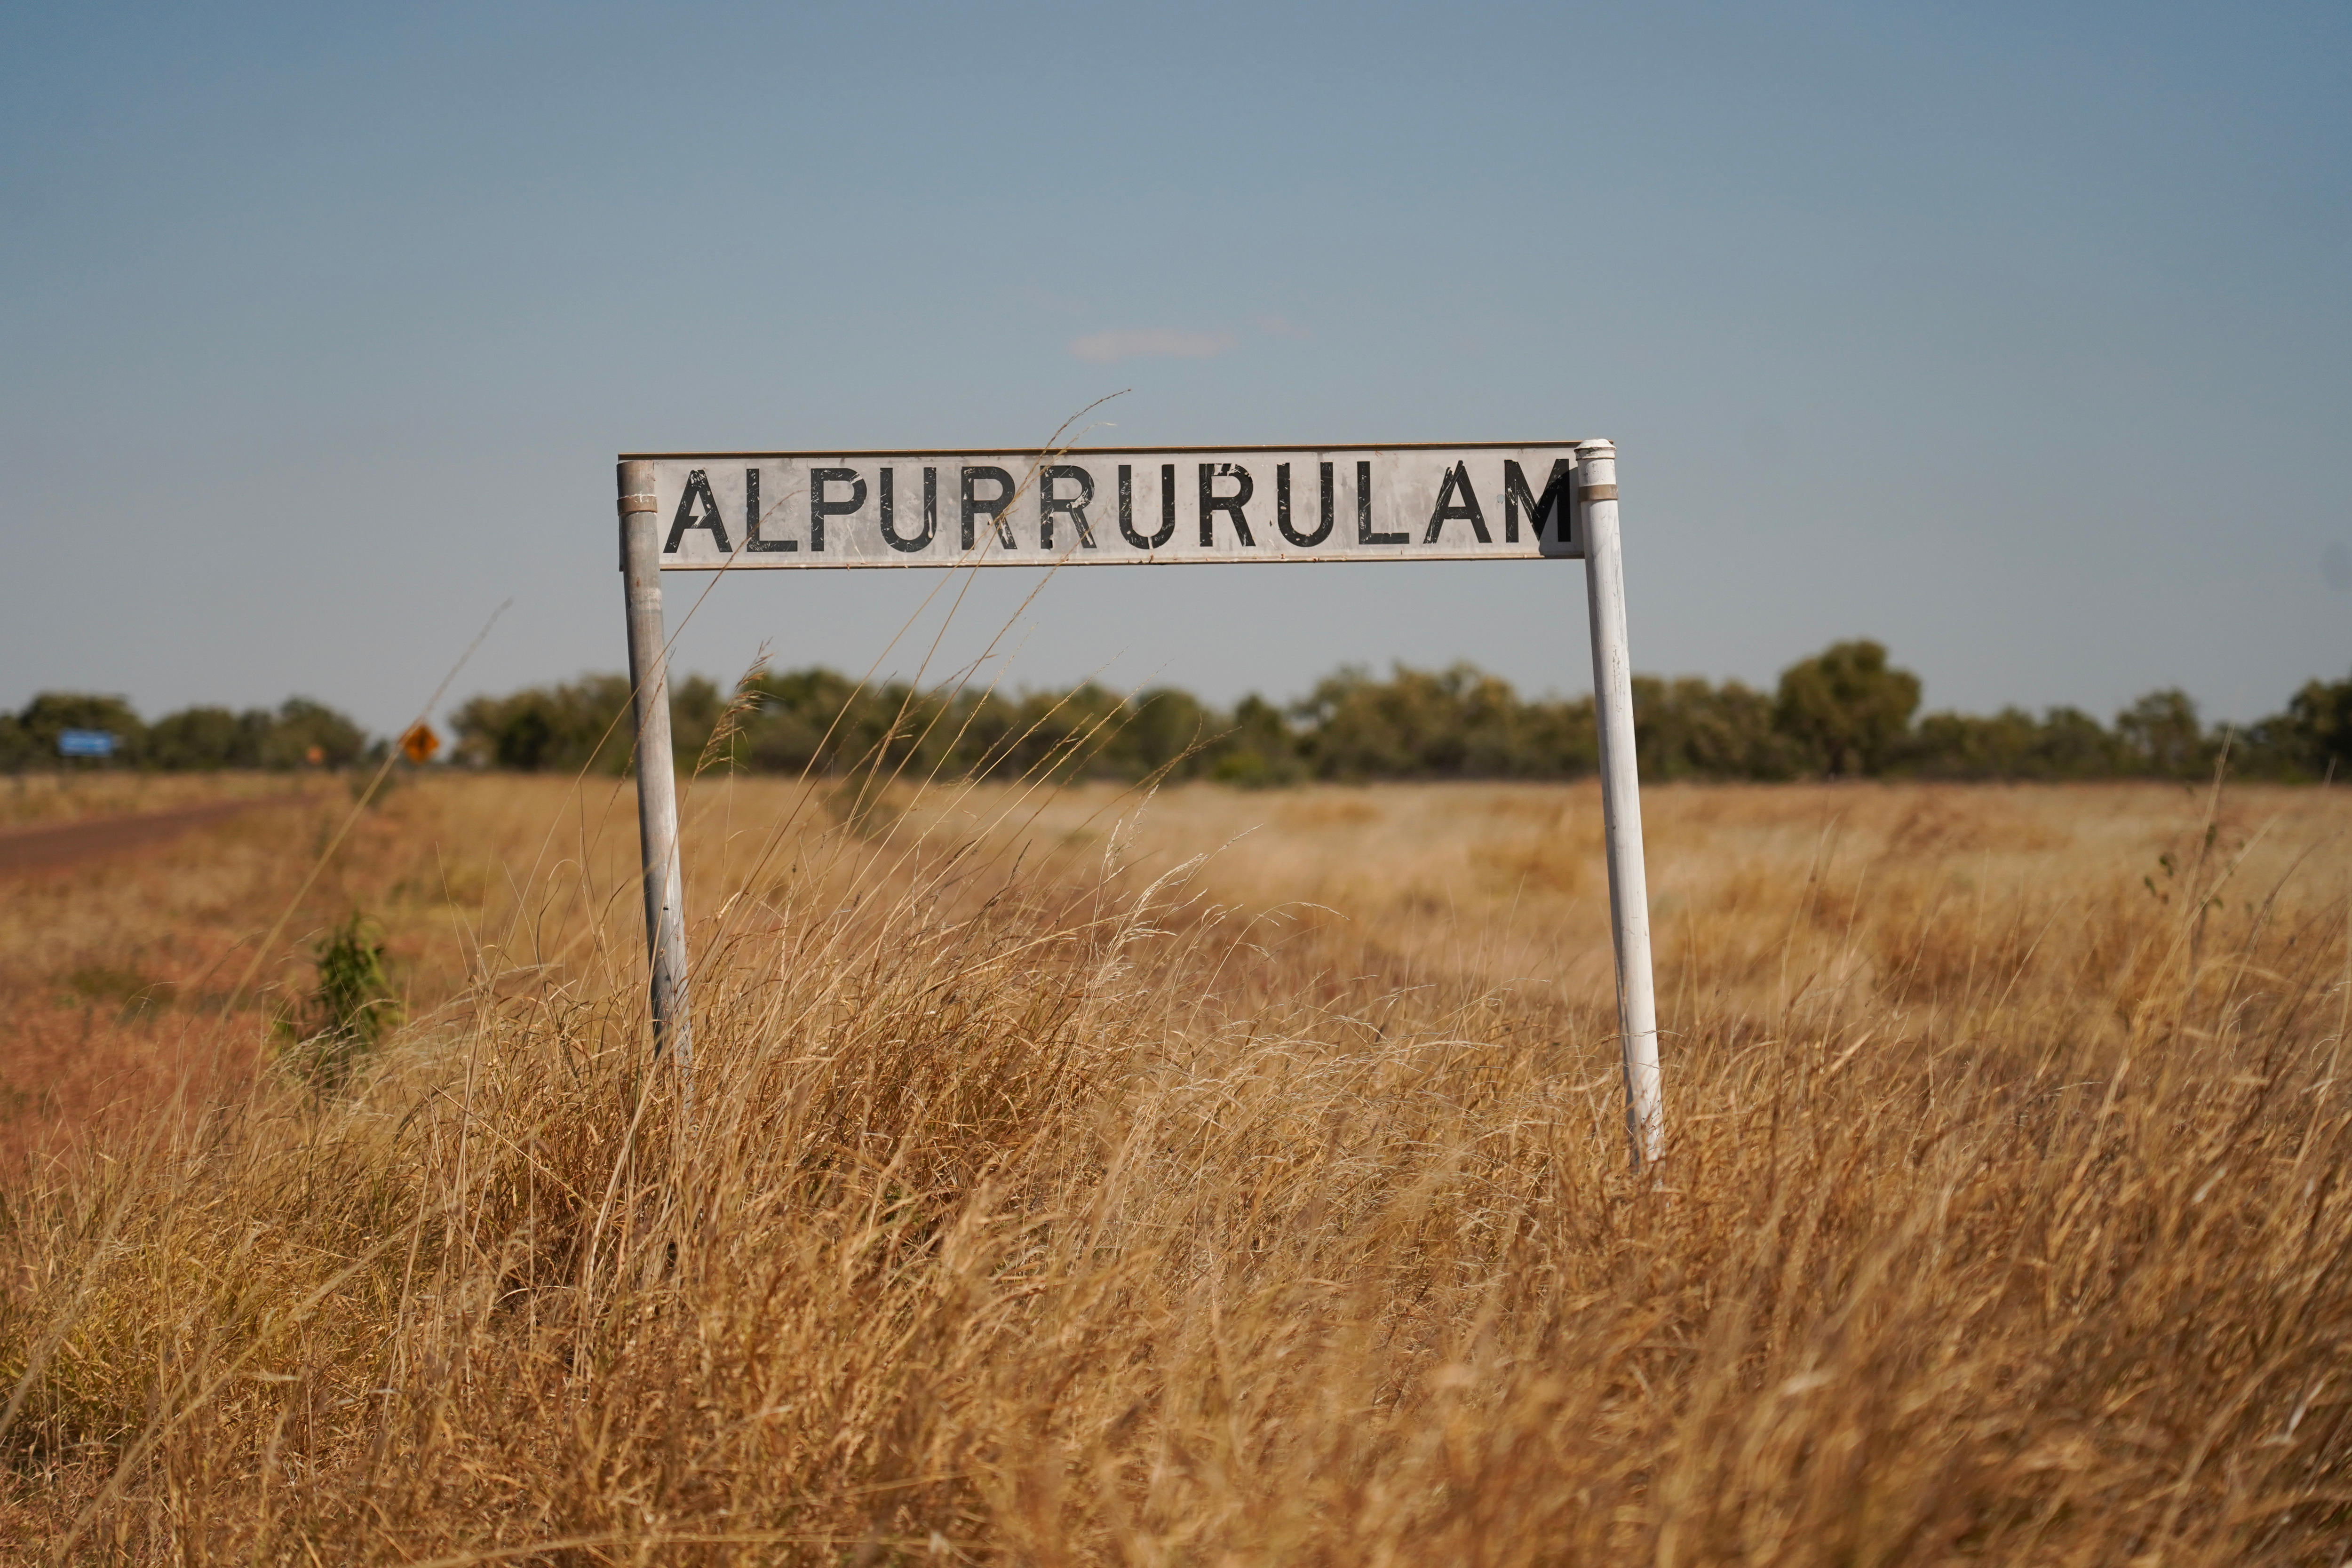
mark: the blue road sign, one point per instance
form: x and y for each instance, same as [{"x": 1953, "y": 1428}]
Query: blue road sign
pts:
[{"x": 84, "y": 743}]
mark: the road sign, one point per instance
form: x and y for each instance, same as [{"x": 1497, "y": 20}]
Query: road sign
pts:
[
  {"x": 84, "y": 743},
  {"x": 1089, "y": 508},
  {"x": 419, "y": 743},
  {"x": 1495, "y": 502}
]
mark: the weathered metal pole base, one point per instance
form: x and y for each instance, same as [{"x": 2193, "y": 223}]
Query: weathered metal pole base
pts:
[
  {"x": 656, "y": 778},
  {"x": 1620, "y": 801}
]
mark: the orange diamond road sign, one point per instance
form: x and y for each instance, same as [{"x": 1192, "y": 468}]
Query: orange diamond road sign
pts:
[{"x": 419, "y": 744}]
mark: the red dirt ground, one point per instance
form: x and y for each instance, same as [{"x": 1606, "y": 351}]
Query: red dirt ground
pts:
[
  {"x": 43, "y": 848},
  {"x": 101, "y": 1014}
]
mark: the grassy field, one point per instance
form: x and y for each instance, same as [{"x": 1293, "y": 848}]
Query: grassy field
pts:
[
  {"x": 1213, "y": 1177},
  {"x": 49, "y": 800}
]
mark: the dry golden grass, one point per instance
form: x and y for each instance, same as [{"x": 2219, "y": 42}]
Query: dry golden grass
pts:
[
  {"x": 45, "y": 800},
  {"x": 1054, "y": 1195}
]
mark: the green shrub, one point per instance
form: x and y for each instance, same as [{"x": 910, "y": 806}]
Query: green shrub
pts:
[{"x": 352, "y": 1005}]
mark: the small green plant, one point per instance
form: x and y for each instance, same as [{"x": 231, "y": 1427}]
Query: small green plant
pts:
[{"x": 353, "y": 1006}]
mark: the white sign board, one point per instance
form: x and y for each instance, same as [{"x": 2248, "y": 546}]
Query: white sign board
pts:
[{"x": 1145, "y": 506}]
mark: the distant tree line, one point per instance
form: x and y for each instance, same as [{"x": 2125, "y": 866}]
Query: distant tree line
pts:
[
  {"x": 298, "y": 733},
  {"x": 1844, "y": 712}
]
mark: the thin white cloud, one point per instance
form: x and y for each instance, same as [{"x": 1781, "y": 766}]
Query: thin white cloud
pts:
[{"x": 1101, "y": 348}]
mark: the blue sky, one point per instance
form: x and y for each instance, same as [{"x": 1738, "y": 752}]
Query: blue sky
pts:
[{"x": 2017, "y": 338}]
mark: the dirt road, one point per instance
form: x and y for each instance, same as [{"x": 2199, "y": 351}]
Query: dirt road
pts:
[{"x": 44, "y": 848}]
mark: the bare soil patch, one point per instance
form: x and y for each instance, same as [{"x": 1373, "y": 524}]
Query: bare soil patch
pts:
[{"x": 66, "y": 844}]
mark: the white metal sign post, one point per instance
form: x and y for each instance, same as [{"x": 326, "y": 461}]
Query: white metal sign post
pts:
[{"x": 1140, "y": 507}]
